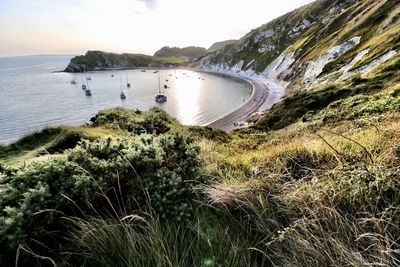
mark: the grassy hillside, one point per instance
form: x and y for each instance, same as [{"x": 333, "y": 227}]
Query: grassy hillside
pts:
[
  {"x": 99, "y": 60},
  {"x": 219, "y": 45},
  {"x": 319, "y": 42},
  {"x": 191, "y": 52},
  {"x": 139, "y": 189}
]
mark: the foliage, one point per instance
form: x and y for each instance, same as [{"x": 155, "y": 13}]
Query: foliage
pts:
[
  {"x": 156, "y": 121},
  {"x": 191, "y": 52},
  {"x": 145, "y": 171}
]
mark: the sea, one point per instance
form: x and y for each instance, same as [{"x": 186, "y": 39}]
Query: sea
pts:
[{"x": 34, "y": 94}]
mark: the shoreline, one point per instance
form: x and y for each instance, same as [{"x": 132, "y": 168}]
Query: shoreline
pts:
[{"x": 264, "y": 95}]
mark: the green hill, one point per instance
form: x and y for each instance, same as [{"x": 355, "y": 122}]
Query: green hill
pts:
[
  {"x": 191, "y": 52},
  {"x": 219, "y": 45},
  {"x": 99, "y": 60}
]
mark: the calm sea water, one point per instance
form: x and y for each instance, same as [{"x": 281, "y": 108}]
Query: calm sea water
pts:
[{"x": 33, "y": 97}]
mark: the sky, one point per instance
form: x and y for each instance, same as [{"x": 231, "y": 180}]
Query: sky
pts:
[{"x": 31, "y": 27}]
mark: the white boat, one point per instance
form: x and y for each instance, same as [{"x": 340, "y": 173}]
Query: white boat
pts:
[
  {"x": 88, "y": 92},
  {"x": 83, "y": 83},
  {"x": 73, "y": 81},
  {"x": 160, "y": 97},
  {"x": 127, "y": 81},
  {"x": 122, "y": 94}
]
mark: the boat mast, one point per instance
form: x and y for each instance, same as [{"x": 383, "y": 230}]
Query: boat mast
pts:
[
  {"x": 159, "y": 85},
  {"x": 120, "y": 82},
  {"x": 126, "y": 73},
  {"x": 82, "y": 79}
]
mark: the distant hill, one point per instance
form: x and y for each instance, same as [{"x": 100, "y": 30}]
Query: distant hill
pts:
[
  {"x": 100, "y": 60},
  {"x": 191, "y": 52},
  {"x": 219, "y": 45}
]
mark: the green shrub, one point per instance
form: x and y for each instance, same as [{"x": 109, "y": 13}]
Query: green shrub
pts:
[
  {"x": 154, "y": 121},
  {"x": 147, "y": 169}
]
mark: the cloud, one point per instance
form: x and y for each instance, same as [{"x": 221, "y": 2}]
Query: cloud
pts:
[{"x": 152, "y": 4}]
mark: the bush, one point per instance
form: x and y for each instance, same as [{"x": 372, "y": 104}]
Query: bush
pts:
[
  {"x": 147, "y": 169},
  {"x": 154, "y": 121}
]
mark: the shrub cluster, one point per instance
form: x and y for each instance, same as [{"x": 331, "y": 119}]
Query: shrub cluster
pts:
[
  {"x": 155, "y": 121},
  {"x": 35, "y": 198}
]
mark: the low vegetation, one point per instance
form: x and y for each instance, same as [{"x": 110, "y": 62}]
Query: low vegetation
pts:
[
  {"x": 138, "y": 189},
  {"x": 315, "y": 181}
]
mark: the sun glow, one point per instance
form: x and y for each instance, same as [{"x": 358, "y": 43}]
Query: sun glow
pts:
[
  {"x": 187, "y": 92},
  {"x": 136, "y": 26}
]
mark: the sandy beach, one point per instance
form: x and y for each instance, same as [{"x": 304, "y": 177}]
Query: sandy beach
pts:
[{"x": 265, "y": 94}]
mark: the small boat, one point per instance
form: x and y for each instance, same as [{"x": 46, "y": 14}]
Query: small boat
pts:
[
  {"x": 122, "y": 94},
  {"x": 127, "y": 80},
  {"x": 160, "y": 97},
  {"x": 143, "y": 70},
  {"x": 165, "y": 86},
  {"x": 73, "y": 81},
  {"x": 83, "y": 83},
  {"x": 155, "y": 71},
  {"x": 112, "y": 75},
  {"x": 88, "y": 92},
  {"x": 88, "y": 78},
  {"x": 166, "y": 80}
]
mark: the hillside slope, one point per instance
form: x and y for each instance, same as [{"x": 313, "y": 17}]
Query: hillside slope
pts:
[
  {"x": 219, "y": 45},
  {"x": 324, "y": 41},
  {"x": 190, "y": 52}
]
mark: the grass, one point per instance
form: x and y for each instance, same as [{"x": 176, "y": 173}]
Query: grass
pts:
[
  {"x": 314, "y": 182},
  {"x": 51, "y": 141},
  {"x": 307, "y": 194},
  {"x": 292, "y": 197}
]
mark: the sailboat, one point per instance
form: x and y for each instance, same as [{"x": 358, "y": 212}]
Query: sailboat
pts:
[
  {"x": 83, "y": 83},
  {"x": 88, "y": 92},
  {"x": 122, "y": 94},
  {"x": 126, "y": 74},
  {"x": 127, "y": 81},
  {"x": 73, "y": 81},
  {"x": 160, "y": 97}
]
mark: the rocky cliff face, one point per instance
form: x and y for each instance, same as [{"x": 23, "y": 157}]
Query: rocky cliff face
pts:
[{"x": 323, "y": 42}]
